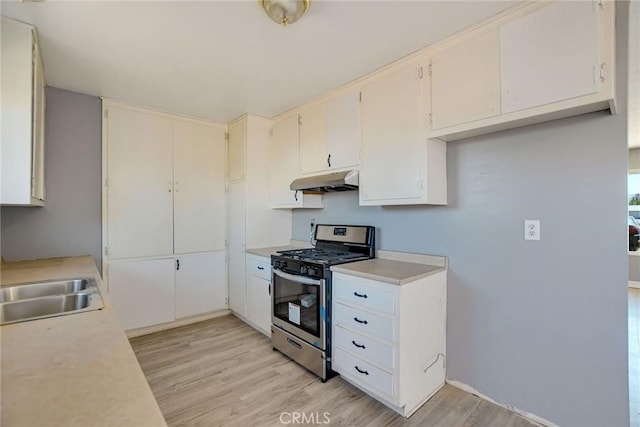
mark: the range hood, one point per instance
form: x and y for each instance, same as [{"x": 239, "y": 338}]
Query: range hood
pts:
[{"x": 337, "y": 181}]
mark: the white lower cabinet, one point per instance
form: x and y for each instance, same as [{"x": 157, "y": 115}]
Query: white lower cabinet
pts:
[
  {"x": 200, "y": 283},
  {"x": 389, "y": 340},
  {"x": 155, "y": 291},
  {"x": 142, "y": 292},
  {"x": 258, "y": 290}
]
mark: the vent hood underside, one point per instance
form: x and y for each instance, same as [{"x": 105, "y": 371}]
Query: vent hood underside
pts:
[{"x": 337, "y": 181}]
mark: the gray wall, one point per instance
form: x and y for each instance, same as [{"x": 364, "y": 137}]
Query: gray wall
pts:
[
  {"x": 634, "y": 159},
  {"x": 634, "y": 267},
  {"x": 540, "y": 325},
  {"x": 70, "y": 222}
]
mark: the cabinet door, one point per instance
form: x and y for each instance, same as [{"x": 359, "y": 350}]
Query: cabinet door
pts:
[
  {"x": 37, "y": 153},
  {"x": 465, "y": 82},
  {"x": 200, "y": 283},
  {"x": 237, "y": 149},
  {"x": 200, "y": 175},
  {"x": 549, "y": 55},
  {"x": 313, "y": 139},
  {"x": 237, "y": 238},
  {"x": 259, "y": 302},
  {"x": 140, "y": 184},
  {"x": 392, "y": 137},
  {"x": 142, "y": 292},
  {"x": 18, "y": 105},
  {"x": 343, "y": 130},
  {"x": 284, "y": 162}
]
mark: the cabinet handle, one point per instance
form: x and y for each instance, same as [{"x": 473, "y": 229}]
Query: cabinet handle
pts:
[
  {"x": 361, "y": 371},
  {"x": 329, "y": 160},
  {"x": 358, "y": 345},
  {"x": 364, "y": 322},
  {"x": 177, "y": 264},
  {"x": 260, "y": 268},
  {"x": 360, "y": 295},
  {"x": 269, "y": 289},
  {"x": 295, "y": 344},
  {"x": 295, "y": 195}
]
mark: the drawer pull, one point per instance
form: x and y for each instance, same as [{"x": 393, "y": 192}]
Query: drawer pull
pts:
[
  {"x": 295, "y": 344},
  {"x": 360, "y": 295},
  {"x": 358, "y": 345},
  {"x": 260, "y": 268},
  {"x": 364, "y": 322},
  {"x": 361, "y": 371}
]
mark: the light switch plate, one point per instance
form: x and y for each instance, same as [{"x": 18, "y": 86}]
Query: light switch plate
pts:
[{"x": 531, "y": 229}]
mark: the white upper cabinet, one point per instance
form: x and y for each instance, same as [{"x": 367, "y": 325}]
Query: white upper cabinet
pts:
[
  {"x": 550, "y": 55},
  {"x": 284, "y": 165},
  {"x": 23, "y": 115},
  {"x": 199, "y": 175},
  {"x": 550, "y": 60},
  {"x": 465, "y": 81},
  {"x": 330, "y": 134},
  {"x": 237, "y": 154},
  {"x": 313, "y": 138},
  {"x": 165, "y": 184},
  {"x": 397, "y": 163},
  {"x": 343, "y": 130},
  {"x": 283, "y": 158},
  {"x": 139, "y": 184}
]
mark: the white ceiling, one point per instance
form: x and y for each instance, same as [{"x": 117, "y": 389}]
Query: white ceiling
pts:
[{"x": 220, "y": 59}]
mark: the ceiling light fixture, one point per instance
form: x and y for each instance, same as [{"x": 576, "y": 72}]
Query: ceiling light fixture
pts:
[{"x": 285, "y": 12}]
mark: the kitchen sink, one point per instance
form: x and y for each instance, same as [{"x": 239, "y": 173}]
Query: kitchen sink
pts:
[
  {"x": 31, "y": 301},
  {"x": 41, "y": 289}
]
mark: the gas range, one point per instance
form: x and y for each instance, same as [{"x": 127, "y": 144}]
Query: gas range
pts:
[
  {"x": 335, "y": 244},
  {"x": 313, "y": 262},
  {"x": 301, "y": 293}
]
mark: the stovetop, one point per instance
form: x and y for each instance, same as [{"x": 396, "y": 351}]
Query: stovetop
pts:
[{"x": 323, "y": 256}]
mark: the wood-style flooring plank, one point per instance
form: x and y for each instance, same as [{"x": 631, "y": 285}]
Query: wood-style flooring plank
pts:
[{"x": 221, "y": 372}]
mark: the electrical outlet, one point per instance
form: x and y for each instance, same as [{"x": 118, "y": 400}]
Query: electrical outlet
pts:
[{"x": 531, "y": 229}]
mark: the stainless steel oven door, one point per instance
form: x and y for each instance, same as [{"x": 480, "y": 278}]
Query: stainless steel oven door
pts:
[{"x": 298, "y": 305}]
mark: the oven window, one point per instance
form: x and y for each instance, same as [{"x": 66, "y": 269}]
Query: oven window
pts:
[{"x": 297, "y": 304}]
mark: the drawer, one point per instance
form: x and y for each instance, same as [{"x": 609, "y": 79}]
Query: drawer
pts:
[
  {"x": 259, "y": 266},
  {"x": 364, "y": 347},
  {"x": 361, "y": 321},
  {"x": 365, "y": 374},
  {"x": 359, "y": 291}
]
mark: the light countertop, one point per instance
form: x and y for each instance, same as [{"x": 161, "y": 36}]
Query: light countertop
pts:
[
  {"x": 388, "y": 271},
  {"x": 74, "y": 370},
  {"x": 267, "y": 252}
]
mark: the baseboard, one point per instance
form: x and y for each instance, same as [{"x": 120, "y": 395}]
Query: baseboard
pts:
[
  {"x": 131, "y": 333},
  {"x": 529, "y": 416},
  {"x": 633, "y": 284}
]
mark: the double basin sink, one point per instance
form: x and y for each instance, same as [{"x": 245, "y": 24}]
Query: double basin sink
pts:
[{"x": 38, "y": 300}]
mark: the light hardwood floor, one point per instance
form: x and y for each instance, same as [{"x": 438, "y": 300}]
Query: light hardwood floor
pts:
[
  {"x": 223, "y": 372},
  {"x": 634, "y": 356}
]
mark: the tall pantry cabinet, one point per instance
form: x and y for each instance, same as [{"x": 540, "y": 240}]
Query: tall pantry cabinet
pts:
[
  {"x": 252, "y": 221},
  {"x": 164, "y": 215}
]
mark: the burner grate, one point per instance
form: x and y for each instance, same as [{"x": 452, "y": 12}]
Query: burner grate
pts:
[{"x": 322, "y": 255}]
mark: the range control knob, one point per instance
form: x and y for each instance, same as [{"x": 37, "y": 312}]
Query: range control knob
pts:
[
  {"x": 303, "y": 269},
  {"x": 313, "y": 272}
]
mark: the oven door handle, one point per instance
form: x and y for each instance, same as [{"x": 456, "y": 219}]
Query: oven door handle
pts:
[{"x": 299, "y": 279}]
